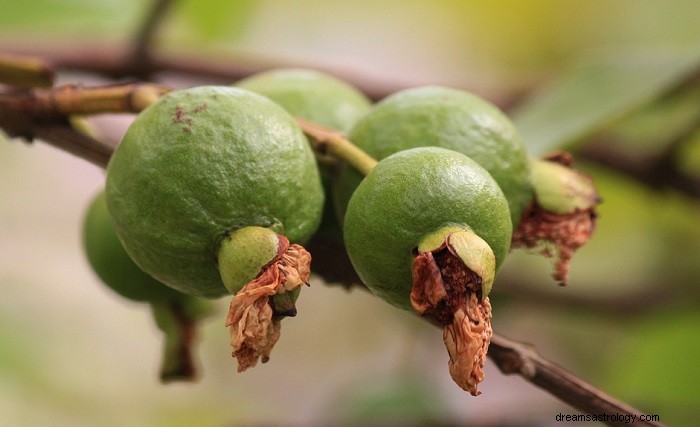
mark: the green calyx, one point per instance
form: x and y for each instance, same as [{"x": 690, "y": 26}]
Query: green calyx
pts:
[
  {"x": 477, "y": 256},
  {"x": 244, "y": 253},
  {"x": 560, "y": 189}
]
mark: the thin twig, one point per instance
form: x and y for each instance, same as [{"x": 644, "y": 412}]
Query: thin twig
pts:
[
  {"x": 25, "y": 72},
  {"x": 140, "y": 57},
  {"x": 226, "y": 69},
  {"x": 326, "y": 141},
  {"x": 68, "y": 100},
  {"x": 44, "y": 114},
  {"x": 522, "y": 359}
]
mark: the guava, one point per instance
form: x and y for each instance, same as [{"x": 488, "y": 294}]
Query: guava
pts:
[
  {"x": 192, "y": 171},
  {"x": 176, "y": 314},
  {"x": 426, "y": 231}
]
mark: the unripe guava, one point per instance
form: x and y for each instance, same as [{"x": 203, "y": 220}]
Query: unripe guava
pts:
[
  {"x": 426, "y": 231},
  {"x": 319, "y": 98},
  {"x": 410, "y": 195},
  {"x": 199, "y": 164}
]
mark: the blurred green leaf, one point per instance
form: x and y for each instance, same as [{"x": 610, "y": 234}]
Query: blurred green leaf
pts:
[
  {"x": 689, "y": 158},
  {"x": 404, "y": 401},
  {"x": 656, "y": 367},
  {"x": 649, "y": 131},
  {"x": 216, "y": 19},
  {"x": 69, "y": 18},
  {"x": 598, "y": 94}
]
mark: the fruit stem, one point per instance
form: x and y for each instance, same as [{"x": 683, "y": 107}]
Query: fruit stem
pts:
[
  {"x": 329, "y": 141},
  {"x": 264, "y": 272},
  {"x": 453, "y": 273},
  {"x": 25, "y": 72},
  {"x": 177, "y": 319}
]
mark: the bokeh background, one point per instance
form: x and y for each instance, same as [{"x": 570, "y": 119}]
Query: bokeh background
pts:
[{"x": 570, "y": 73}]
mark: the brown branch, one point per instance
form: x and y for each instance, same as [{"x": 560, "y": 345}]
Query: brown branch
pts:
[
  {"x": 511, "y": 357},
  {"x": 522, "y": 359},
  {"x": 109, "y": 61},
  {"x": 25, "y": 72},
  {"x": 44, "y": 114},
  {"x": 140, "y": 58}
]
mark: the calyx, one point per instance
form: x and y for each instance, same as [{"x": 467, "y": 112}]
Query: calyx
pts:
[
  {"x": 450, "y": 287},
  {"x": 257, "y": 309},
  {"x": 562, "y": 217}
]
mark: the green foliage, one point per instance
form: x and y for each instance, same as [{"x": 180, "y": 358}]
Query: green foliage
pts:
[
  {"x": 656, "y": 366},
  {"x": 70, "y": 18},
  {"x": 212, "y": 20},
  {"x": 605, "y": 91}
]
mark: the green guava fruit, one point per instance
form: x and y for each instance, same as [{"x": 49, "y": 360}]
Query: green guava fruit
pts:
[
  {"x": 426, "y": 230},
  {"x": 201, "y": 163},
  {"x": 175, "y": 314},
  {"x": 448, "y": 118},
  {"x": 196, "y": 169}
]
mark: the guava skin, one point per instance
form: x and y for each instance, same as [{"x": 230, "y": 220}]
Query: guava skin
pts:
[
  {"x": 448, "y": 118},
  {"x": 311, "y": 95},
  {"x": 409, "y": 195},
  {"x": 202, "y": 162},
  {"x": 112, "y": 264}
]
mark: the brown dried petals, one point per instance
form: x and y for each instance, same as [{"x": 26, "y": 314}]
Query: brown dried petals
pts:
[
  {"x": 448, "y": 293},
  {"x": 253, "y": 325},
  {"x": 467, "y": 340},
  {"x": 555, "y": 235}
]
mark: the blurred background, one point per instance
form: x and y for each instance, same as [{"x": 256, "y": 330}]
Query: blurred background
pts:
[{"x": 616, "y": 82}]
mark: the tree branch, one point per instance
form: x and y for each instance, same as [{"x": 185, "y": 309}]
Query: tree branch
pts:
[
  {"x": 225, "y": 69},
  {"x": 44, "y": 114},
  {"x": 140, "y": 57},
  {"x": 522, "y": 359},
  {"x": 25, "y": 72}
]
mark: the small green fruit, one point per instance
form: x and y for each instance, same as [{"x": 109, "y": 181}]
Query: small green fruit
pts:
[
  {"x": 426, "y": 231},
  {"x": 410, "y": 195},
  {"x": 176, "y": 314},
  {"x": 199, "y": 164},
  {"x": 448, "y": 118},
  {"x": 196, "y": 168}
]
